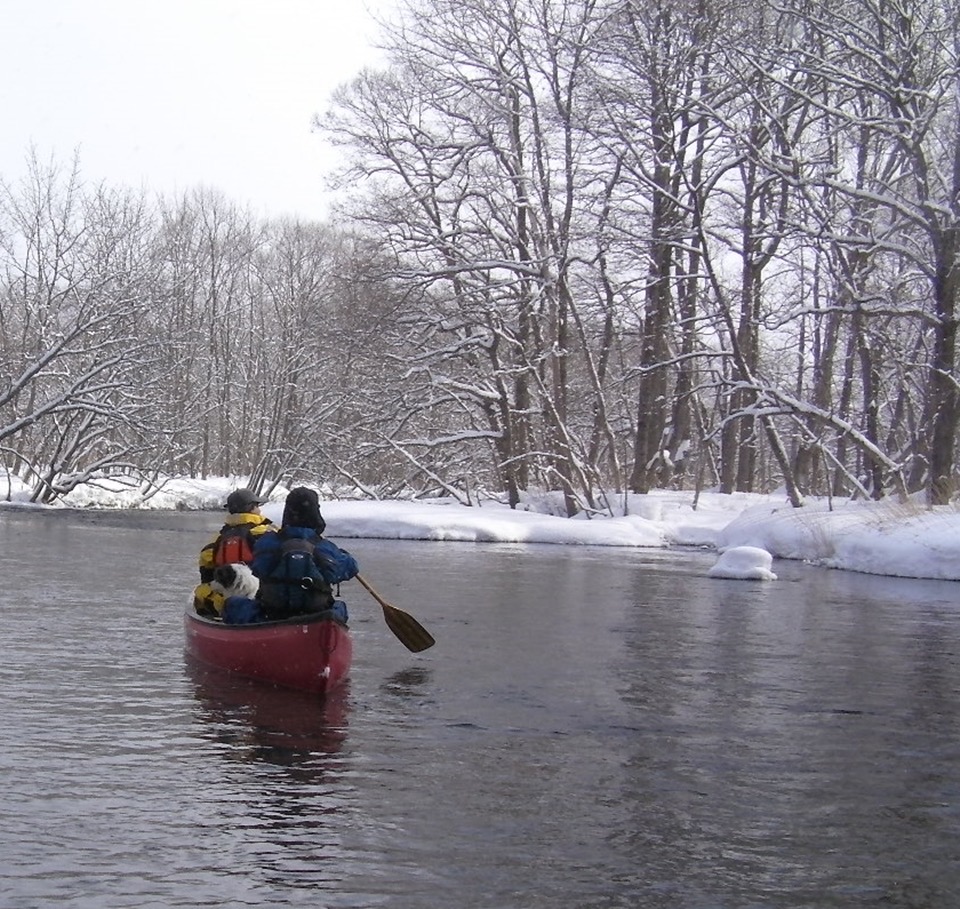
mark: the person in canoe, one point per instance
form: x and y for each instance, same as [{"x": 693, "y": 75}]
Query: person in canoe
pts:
[
  {"x": 297, "y": 567},
  {"x": 233, "y": 544}
]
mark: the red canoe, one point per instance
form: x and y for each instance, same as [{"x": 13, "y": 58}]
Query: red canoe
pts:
[{"x": 310, "y": 653}]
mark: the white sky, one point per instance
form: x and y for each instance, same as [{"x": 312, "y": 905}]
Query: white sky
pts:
[
  {"x": 169, "y": 95},
  {"x": 749, "y": 532}
]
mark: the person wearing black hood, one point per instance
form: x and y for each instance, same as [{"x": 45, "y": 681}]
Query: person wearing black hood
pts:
[{"x": 296, "y": 566}]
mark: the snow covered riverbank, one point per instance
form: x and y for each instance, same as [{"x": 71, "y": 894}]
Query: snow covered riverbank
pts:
[{"x": 878, "y": 538}]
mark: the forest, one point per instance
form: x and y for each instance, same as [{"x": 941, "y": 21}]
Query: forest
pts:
[{"x": 588, "y": 246}]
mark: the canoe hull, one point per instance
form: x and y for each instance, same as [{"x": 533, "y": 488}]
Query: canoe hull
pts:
[{"x": 306, "y": 653}]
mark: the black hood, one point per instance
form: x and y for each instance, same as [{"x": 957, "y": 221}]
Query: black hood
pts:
[{"x": 302, "y": 509}]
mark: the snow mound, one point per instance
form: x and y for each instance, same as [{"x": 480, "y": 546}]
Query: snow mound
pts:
[{"x": 744, "y": 563}]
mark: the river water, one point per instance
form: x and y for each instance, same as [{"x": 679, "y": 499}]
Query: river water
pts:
[{"x": 595, "y": 728}]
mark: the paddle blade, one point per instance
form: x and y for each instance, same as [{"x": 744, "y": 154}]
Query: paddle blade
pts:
[{"x": 408, "y": 630}]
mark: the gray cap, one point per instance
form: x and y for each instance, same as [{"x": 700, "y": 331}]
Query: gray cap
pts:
[{"x": 241, "y": 500}]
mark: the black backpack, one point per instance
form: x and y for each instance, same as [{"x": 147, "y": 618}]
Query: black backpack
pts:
[{"x": 296, "y": 585}]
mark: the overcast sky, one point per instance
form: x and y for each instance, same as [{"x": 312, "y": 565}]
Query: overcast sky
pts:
[{"x": 171, "y": 94}]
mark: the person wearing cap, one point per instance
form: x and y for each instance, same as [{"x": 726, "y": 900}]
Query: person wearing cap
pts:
[
  {"x": 233, "y": 543},
  {"x": 301, "y": 530}
]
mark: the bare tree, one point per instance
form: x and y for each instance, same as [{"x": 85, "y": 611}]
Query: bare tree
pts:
[
  {"x": 888, "y": 84},
  {"x": 474, "y": 144},
  {"x": 72, "y": 408}
]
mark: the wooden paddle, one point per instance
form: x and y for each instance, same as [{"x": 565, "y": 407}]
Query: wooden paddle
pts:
[{"x": 410, "y": 632}]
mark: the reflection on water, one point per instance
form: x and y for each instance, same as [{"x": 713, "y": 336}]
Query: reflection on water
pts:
[
  {"x": 411, "y": 682},
  {"x": 258, "y": 722},
  {"x": 279, "y": 770},
  {"x": 595, "y": 729}
]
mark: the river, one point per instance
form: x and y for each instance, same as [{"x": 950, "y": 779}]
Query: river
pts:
[{"x": 595, "y": 727}]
